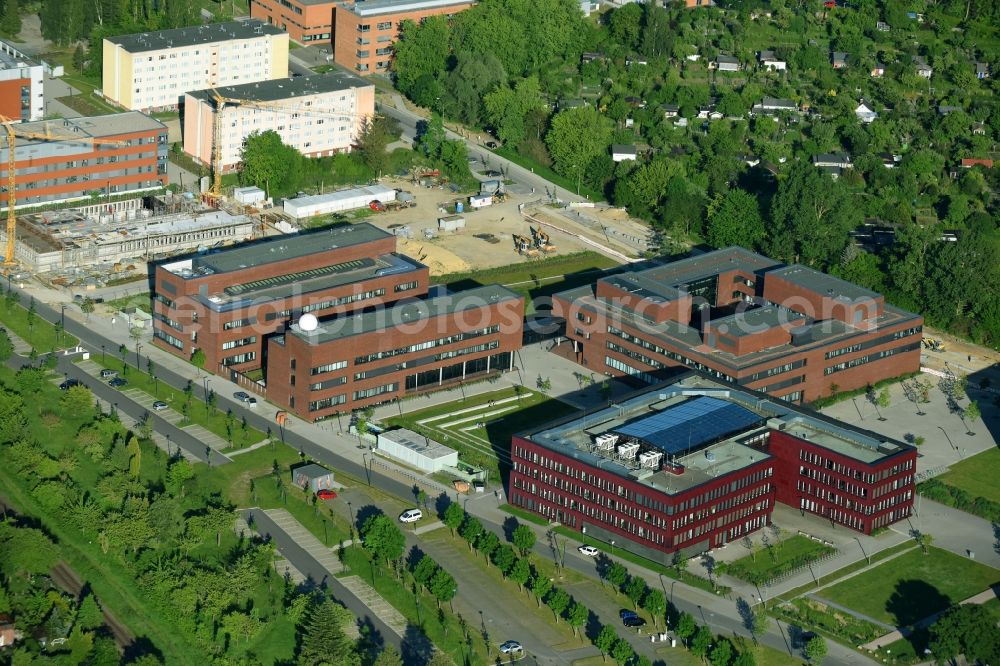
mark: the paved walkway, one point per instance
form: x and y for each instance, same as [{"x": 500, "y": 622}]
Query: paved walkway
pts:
[{"x": 294, "y": 529}]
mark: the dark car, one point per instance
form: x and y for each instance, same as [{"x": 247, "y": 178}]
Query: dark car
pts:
[
  {"x": 69, "y": 383},
  {"x": 118, "y": 382},
  {"x": 493, "y": 174},
  {"x": 633, "y": 621},
  {"x": 492, "y": 145},
  {"x": 625, "y": 612}
]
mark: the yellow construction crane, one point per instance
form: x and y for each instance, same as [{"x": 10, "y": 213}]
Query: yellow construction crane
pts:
[
  {"x": 221, "y": 102},
  {"x": 14, "y": 132}
]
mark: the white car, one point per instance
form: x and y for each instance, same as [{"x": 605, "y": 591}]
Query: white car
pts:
[
  {"x": 510, "y": 646},
  {"x": 589, "y": 551},
  {"x": 411, "y": 516}
]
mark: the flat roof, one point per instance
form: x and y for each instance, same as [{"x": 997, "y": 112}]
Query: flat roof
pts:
[
  {"x": 403, "y": 312},
  {"x": 273, "y": 250},
  {"x": 279, "y": 89},
  {"x": 313, "y": 471},
  {"x": 194, "y": 35},
  {"x": 417, "y": 443},
  {"x": 12, "y": 57},
  {"x": 376, "y": 7},
  {"x": 823, "y": 284},
  {"x": 700, "y": 400},
  {"x": 113, "y": 124},
  {"x": 756, "y": 320}
]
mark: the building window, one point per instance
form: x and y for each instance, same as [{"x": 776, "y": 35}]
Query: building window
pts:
[
  {"x": 406, "y": 286},
  {"x": 377, "y": 390},
  {"x": 329, "y": 367},
  {"x": 239, "y": 358},
  {"x": 317, "y": 405},
  {"x": 384, "y": 25},
  {"x": 232, "y": 344}
]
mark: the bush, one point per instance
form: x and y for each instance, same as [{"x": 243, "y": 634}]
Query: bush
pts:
[{"x": 959, "y": 499}]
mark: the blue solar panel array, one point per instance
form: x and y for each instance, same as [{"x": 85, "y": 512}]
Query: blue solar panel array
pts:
[{"x": 690, "y": 424}]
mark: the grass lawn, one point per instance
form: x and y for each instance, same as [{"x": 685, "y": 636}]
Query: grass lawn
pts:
[
  {"x": 41, "y": 334},
  {"x": 488, "y": 446},
  {"x": 420, "y": 609},
  {"x": 320, "y": 519},
  {"x": 134, "y": 301},
  {"x": 215, "y": 420},
  {"x": 535, "y": 279},
  {"x": 780, "y": 558},
  {"x": 850, "y": 568},
  {"x": 977, "y": 475},
  {"x": 913, "y": 586},
  {"x": 88, "y": 104}
]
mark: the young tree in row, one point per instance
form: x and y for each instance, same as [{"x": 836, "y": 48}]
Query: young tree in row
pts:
[
  {"x": 425, "y": 570},
  {"x": 503, "y": 557},
  {"x": 617, "y": 575},
  {"x": 558, "y": 600},
  {"x": 815, "y": 649},
  {"x": 443, "y": 587},
  {"x": 520, "y": 572},
  {"x": 605, "y": 640},
  {"x": 453, "y": 516},
  {"x": 523, "y": 539},
  {"x": 471, "y": 530},
  {"x": 540, "y": 586},
  {"x": 701, "y": 641},
  {"x": 382, "y": 538},
  {"x": 622, "y": 651},
  {"x": 635, "y": 590},
  {"x": 656, "y": 603},
  {"x": 576, "y": 616}
]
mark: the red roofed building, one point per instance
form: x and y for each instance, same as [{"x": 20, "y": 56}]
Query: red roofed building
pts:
[{"x": 969, "y": 162}]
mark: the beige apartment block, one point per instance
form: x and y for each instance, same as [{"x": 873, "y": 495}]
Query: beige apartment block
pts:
[
  {"x": 319, "y": 115},
  {"x": 151, "y": 71}
]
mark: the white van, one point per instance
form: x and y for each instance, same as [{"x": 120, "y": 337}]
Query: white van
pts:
[{"x": 411, "y": 516}]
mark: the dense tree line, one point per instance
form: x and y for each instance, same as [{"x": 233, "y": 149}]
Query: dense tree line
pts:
[{"x": 737, "y": 178}]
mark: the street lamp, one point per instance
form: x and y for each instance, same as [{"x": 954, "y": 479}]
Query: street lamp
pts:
[
  {"x": 364, "y": 456},
  {"x": 612, "y": 548},
  {"x": 102, "y": 353},
  {"x": 948, "y": 438}
]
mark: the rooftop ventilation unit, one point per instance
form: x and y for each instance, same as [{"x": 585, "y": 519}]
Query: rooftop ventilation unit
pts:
[
  {"x": 650, "y": 459},
  {"x": 709, "y": 456},
  {"x": 606, "y": 442},
  {"x": 628, "y": 451}
]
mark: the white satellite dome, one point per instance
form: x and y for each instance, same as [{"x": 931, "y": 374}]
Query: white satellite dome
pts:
[{"x": 308, "y": 322}]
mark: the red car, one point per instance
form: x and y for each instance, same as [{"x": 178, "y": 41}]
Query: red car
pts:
[{"x": 326, "y": 494}]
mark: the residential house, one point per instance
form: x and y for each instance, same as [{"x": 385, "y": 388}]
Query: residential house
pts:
[
  {"x": 669, "y": 110},
  {"x": 833, "y": 163},
  {"x": 945, "y": 109},
  {"x": 622, "y": 153},
  {"x": 982, "y": 70},
  {"x": 8, "y": 631},
  {"x": 691, "y": 4},
  {"x": 865, "y": 112},
  {"x": 750, "y": 160},
  {"x": 635, "y": 61},
  {"x": 878, "y": 71},
  {"x": 969, "y": 162},
  {"x": 771, "y": 62},
  {"x": 839, "y": 59},
  {"x": 889, "y": 160},
  {"x": 914, "y": 16},
  {"x": 635, "y": 102},
  {"x": 772, "y": 105},
  {"x": 979, "y": 129},
  {"x": 725, "y": 63},
  {"x": 680, "y": 122},
  {"x": 882, "y": 26},
  {"x": 588, "y": 6},
  {"x": 923, "y": 69},
  {"x": 591, "y": 57}
]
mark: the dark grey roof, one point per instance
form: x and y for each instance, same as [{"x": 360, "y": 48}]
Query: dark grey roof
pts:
[
  {"x": 624, "y": 148},
  {"x": 312, "y": 471},
  {"x": 404, "y": 312},
  {"x": 200, "y": 34},
  {"x": 837, "y": 158},
  {"x": 286, "y": 247},
  {"x": 279, "y": 89},
  {"x": 777, "y": 102},
  {"x": 756, "y": 320},
  {"x": 823, "y": 284},
  {"x": 113, "y": 124},
  {"x": 727, "y": 59}
]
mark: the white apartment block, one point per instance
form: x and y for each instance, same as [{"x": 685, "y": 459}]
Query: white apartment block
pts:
[
  {"x": 319, "y": 115},
  {"x": 151, "y": 71},
  {"x": 22, "y": 83}
]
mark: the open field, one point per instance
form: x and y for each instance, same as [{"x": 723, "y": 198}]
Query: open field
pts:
[
  {"x": 779, "y": 559},
  {"x": 40, "y": 334},
  {"x": 480, "y": 427},
  {"x": 977, "y": 475},
  {"x": 899, "y": 592}
]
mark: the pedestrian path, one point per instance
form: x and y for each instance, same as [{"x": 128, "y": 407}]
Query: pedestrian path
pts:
[
  {"x": 376, "y": 604},
  {"x": 294, "y": 529}
]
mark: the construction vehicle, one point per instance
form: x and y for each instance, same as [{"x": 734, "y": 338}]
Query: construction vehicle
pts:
[
  {"x": 523, "y": 245},
  {"x": 13, "y": 133},
  {"x": 377, "y": 206},
  {"x": 541, "y": 240},
  {"x": 222, "y": 102}
]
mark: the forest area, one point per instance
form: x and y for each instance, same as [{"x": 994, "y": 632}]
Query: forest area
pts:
[{"x": 713, "y": 170}]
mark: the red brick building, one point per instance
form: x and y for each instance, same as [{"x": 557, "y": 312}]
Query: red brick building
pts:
[
  {"x": 789, "y": 331},
  {"x": 374, "y": 357},
  {"x": 696, "y": 463},
  {"x": 376, "y": 335},
  {"x": 226, "y": 303},
  {"x": 65, "y": 167}
]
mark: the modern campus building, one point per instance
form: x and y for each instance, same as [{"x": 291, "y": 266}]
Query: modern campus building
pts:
[
  {"x": 83, "y": 157},
  {"x": 318, "y": 115},
  {"x": 22, "y": 83},
  {"x": 785, "y": 330},
  {"x": 362, "y": 33},
  {"x": 697, "y": 463},
  {"x": 378, "y": 335},
  {"x": 152, "y": 70}
]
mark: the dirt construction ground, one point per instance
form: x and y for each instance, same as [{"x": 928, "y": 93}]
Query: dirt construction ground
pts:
[{"x": 487, "y": 239}]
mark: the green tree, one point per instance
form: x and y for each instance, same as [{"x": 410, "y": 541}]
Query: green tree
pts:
[
  {"x": 734, "y": 219},
  {"x": 745, "y": 658},
  {"x": 575, "y": 138},
  {"x": 425, "y": 570},
  {"x": 77, "y": 400},
  {"x": 89, "y": 614},
  {"x": 421, "y": 53},
  {"x": 523, "y": 538},
  {"x": 487, "y": 543},
  {"x": 968, "y": 630},
  {"x": 815, "y": 649},
  {"x": 87, "y": 307},
  {"x": 198, "y": 359},
  {"x": 6, "y": 347},
  {"x": 622, "y": 652},
  {"x": 520, "y": 572},
  {"x": 471, "y": 530},
  {"x": 506, "y": 108},
  {"x": 10, "y": 20},
  {"x": 685, "y": 626},
  {"x": 971, "y": 412},
  {"x": 722, "y": 653},
  {"x": 605, "y": 640},
  {"x": 443, "y": 587},
  {"x": 701, "y": 641},
  {"x": 540, "y": 586},
  {"x": 466, "y": 85},
  {"x": 503, "y": 557},
  {"x": 29, "y": 380},
  {"x": 454, "y": 514},
  {"x": 376, "y": 134},
  {"x": 617, "y": 574},
  {"x": 656, "y": 603},
  {"x": 576, "y": 616},
  {"x": 270, "y": 164},
  {"x": 558, "y": 600},
  {"x": 635, "y": 590},
  {"x": 388, "y": 657},
  {"x": 323, "y": 638},
  {"x": 382, "y": 538},
  {"x": 811, "y": 217}
]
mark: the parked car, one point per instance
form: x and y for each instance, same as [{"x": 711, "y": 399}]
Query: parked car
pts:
[
  {"x": 69, "y": 383},
  {"x": 411, "y": 516},
  {"x": 634, "y": 621},
  {"x": 510, "y": 646},
  {"x": 493, "y": 173},
  {"x": 589, "y": 551},
  {"x": 251, "y": 402},
  {"x": 108, "y": 374},
  {"x": 242, "y": 396},
  {"x": 626, "y": 612},
  {"x": 326, "y": 494},
  {"x": 159, "y": 405},
  {"x": 492, "y": 145},
  {"x": 118, "y": 382}
]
